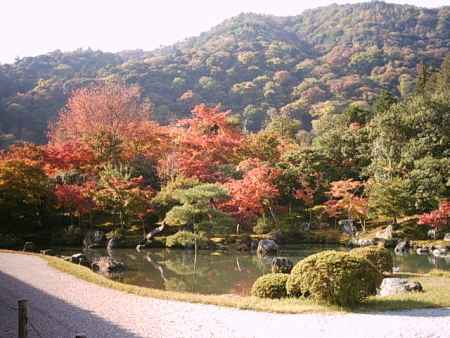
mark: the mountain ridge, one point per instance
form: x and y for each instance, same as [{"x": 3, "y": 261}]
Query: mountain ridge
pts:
[{"x": 305, "y": 65}]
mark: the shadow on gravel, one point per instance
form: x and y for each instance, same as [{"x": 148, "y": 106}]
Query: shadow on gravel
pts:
[
  {"x": 424, "y": 313},
  {"x": 417, "y": 309},
  {"x": 50, "y": 317}
]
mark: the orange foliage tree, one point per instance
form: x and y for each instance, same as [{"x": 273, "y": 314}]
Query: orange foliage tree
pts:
[
  {"x": 345, "y": 199},
  {"x": 75, "y": 199},
  {"x": 254, "y": 194},
  {"x": 204, "y": 143},
  {"x": 111, "y": 119}
]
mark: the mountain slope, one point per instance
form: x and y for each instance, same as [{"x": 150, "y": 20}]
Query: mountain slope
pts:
[{"x": 306, "y": 65}]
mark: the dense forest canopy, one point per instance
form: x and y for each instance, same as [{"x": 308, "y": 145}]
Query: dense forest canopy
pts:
[
  {"x": 308, "y": 67},
  {"x": 108, "y": 164}
]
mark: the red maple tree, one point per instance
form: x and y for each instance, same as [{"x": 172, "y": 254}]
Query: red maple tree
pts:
[
  {"x": 205, "y": 142},
  {"x": 254, "y": 194},
  {"x": 438, "y": 218}
]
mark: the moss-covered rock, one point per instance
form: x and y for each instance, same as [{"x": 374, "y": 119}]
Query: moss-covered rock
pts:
[
  {"x": 272, "y": 285},
  {"x": 334, "y": 277},
  {"x": 381, "y": 258}
]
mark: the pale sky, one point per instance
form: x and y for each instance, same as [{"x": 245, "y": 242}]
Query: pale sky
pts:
[{"x": 32, "y": 27}]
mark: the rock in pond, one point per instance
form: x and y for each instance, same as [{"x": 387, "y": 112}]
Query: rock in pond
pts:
[
  {"x": 267, "y": 247},
  {"x": 276, "y": 236},
  {"x": 439, "y": 252},
  {"x": 422, "y": 251},
  {"x": 361, "y": 242},
  {"x": 282, "y": 265},
  {"x": 402, "y": 247},
  {"x": 80, "y": 259},
  {"x": 254, "y": 245},
  {"x": 28, "y": 247},
  {"x": 108, "y": 265},
  {"x": 394, "y": 286},
  {"x": 94, "y": 239}
]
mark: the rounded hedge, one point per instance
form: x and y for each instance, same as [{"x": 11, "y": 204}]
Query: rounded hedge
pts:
[
  {"x": 293, "y": 287},
  {"x": 334, "y": 277},
  {"x": 381, "y": 258},
  {"x": 272, "y": 285}
]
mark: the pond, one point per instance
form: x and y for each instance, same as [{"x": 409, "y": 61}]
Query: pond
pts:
[{"x": 217, "y": 272}]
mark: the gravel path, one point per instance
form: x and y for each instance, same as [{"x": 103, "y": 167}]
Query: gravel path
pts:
[{"x": 62, "y": 305}]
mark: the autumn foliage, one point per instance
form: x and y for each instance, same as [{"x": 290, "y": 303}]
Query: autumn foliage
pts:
[
  {"x": 110, "y": 110},
  {"x": 204, "y": 143},
  {"x": 346, "y": 200},
  {"x": 437, "y": 219},
  {"x": 255, "y": 193}
]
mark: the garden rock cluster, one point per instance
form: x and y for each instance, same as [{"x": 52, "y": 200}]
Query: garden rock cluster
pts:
[
  {"x": 80, "y": 259},
  {"x": 394, "y": 286},
  {"x": 402, "y": 247},
  {"x": 107, "y": 265},
  {"x": 355, "y": 242},
  {"x": 282, "y": 265},
  {"x": 28, "y": 247},
  {"x": 267, "y": 247}
]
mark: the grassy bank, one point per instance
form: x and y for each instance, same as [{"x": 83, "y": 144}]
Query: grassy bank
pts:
[{"x": 436, "y": 285}]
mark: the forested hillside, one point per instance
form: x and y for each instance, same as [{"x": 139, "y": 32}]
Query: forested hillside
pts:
[{"x": 307, "y": 66}]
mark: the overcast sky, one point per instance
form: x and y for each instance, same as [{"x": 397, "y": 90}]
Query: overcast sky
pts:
[{"x": 32, "y": 27}]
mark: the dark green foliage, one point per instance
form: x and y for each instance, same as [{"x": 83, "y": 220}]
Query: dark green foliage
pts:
[
  {"x": 26, "y": 198},
  {"x": 381, "y": 258},
  {"x": 264, "y": 225},
  {"x": 252, "y": 64},
  {"x": 410, "y": 156},
  {"x": 334, "y": 277},
  {"x": 194, "y": 208},
  {"x": 272, "y": 285},
  {"x": 186, "y": 240},
  {"x": 384, "y": 101}
]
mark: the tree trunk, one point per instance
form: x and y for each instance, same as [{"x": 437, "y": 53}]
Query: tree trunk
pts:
[{"x": 155, "y": 231}]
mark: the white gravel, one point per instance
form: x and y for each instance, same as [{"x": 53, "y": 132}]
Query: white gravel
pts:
[{"x": 62, "y": 305}]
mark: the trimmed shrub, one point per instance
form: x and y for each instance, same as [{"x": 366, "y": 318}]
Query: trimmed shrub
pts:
[
  {"x": 293, "y": 287},
  {"x": 335, "y": 278},
  {"x": 272, "y": 285},
  {"x": 381, "y": 258},
  {"x": 185, "y": 240}
]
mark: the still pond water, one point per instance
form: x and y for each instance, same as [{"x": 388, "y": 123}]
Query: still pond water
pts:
[{"x": 224, "y": 272}]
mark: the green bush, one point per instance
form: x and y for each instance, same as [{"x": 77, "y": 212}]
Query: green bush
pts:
[
  {"x": 185, "y": 239},
  {"x": 293, "y": 287},
  {"x": 334, "y": 277},
  {"x": 381, "y": 258},
  {"x": 272, "y": 285}
]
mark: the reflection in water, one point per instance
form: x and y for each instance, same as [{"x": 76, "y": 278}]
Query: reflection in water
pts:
[
  {"x": 421, "y": 264},
  {"x": 224, "y": 272}
]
